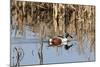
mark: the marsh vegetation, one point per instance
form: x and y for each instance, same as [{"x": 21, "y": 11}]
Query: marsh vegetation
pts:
[{"x": 53, "y": 19}]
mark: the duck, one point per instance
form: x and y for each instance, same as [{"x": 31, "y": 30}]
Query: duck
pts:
[
  {"x": 61, "y": 41},
  {"x": 55, "y": 41}
]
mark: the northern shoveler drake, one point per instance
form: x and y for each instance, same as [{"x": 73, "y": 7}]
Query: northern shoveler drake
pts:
[{"x": 60, "y": 41}]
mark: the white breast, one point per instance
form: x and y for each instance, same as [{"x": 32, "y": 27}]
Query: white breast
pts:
[{"x": 64, "y": 41}]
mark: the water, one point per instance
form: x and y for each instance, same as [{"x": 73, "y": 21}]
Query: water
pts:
[{"x": 50, "y": 54}]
